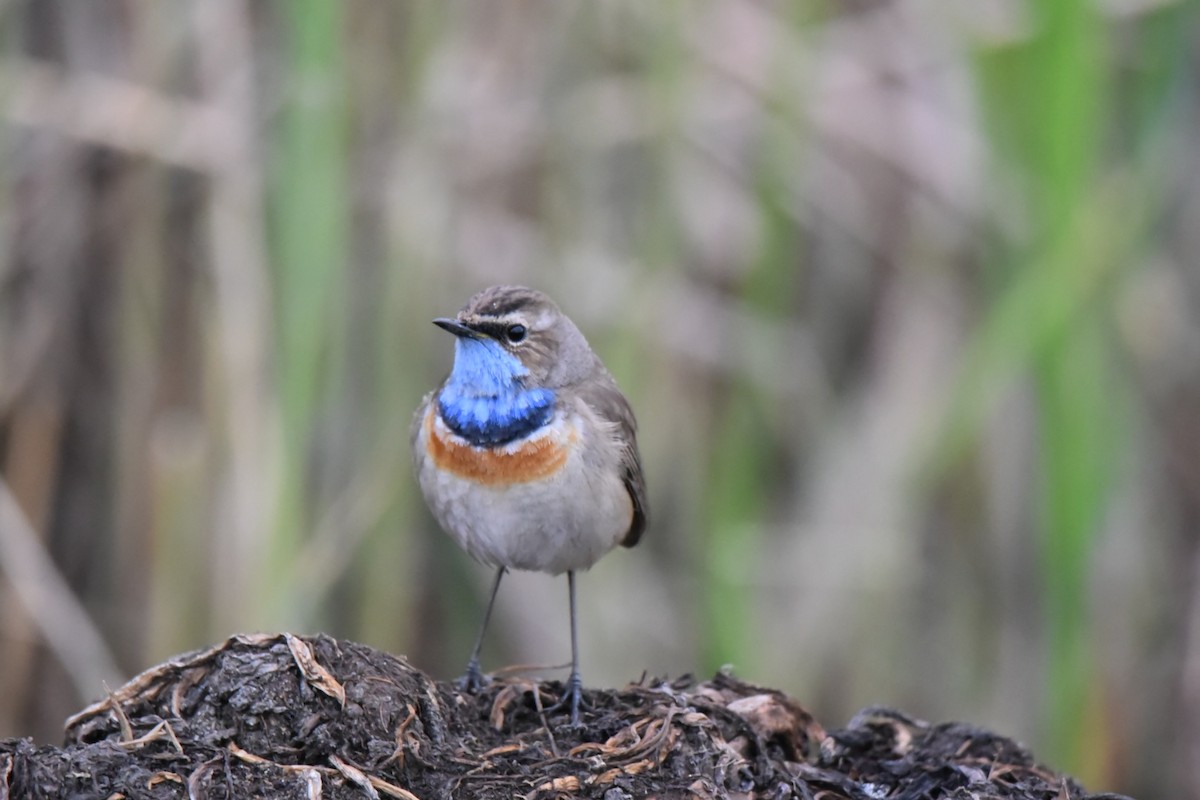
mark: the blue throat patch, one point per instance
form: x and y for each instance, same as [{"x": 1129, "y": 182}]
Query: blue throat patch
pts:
[{"x": 484, "y": 401}]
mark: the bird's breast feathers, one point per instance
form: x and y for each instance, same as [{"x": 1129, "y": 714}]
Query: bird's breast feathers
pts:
[{"x": 538, "y": 456}]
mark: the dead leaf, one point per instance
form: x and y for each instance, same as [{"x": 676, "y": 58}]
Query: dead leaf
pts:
[{"x": 312, "y": 670}]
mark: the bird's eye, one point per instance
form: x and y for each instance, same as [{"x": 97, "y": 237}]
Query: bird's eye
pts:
[{"x": 516, "y": 333}]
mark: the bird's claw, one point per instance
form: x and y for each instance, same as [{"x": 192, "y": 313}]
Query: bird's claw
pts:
[
  {"x": 473, "y": 681},
  {"x": 572, "y": 697}
]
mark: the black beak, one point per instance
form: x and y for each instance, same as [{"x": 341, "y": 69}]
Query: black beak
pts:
[{"x": 456, "y": 327}]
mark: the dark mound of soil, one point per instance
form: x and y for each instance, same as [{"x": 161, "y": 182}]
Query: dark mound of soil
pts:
[{"x": 312, "y": 717}]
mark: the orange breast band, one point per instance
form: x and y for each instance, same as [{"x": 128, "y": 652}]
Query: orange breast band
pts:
[{"x": 529, "y": 462}]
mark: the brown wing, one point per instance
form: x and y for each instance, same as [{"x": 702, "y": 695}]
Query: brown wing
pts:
[
  {"x": 608, "y": 402},
  {"x": 414, "y": 427}
]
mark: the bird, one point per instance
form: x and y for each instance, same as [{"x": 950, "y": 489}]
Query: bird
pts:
[{"x": 527, "y": 453}]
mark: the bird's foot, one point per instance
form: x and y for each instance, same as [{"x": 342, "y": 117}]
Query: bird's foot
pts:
[
  {"x": 572, "y": 698},
  {"x": 473, "y": 681}
]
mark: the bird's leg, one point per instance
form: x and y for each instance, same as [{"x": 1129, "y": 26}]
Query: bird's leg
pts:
[
  {"x": 473, "y": 680},
  {"x": 574, "y": 683},
  {"x": 573, "y": 693}
]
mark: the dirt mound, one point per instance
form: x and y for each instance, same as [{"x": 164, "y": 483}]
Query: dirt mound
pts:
[{"x": 280, "y": 716}]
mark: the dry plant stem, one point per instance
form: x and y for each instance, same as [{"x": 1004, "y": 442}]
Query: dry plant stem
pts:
[{"x": 49, "y": 601}]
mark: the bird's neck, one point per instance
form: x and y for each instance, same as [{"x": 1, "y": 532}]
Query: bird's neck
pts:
[{"x": 485, "y": 400}]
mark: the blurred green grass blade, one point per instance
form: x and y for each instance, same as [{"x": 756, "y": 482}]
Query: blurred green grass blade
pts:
[
  {"x": 1045, "y": 97},
  {"x": 1049, "y": 323},
  {"x": 1038, "y": 308},
  {"x": 1069, "y": 93},
  {"x": 308, "y": 204},
  {"x": 1067, "y": 96},
  {"x": 734, "y": 510},
  {"x": 740, "y": 477},
  {"x": 1081, "y": 435},
  {"x": 1049, "y": 98}
]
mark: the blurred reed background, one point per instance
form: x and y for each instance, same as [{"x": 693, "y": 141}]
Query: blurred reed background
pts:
[{"x": 906, "y": 295}]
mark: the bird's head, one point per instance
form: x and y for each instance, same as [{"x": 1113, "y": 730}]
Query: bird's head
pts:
[{"x": 511, "y": 338}]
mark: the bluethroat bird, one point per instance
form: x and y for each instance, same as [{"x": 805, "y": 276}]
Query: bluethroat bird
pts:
[{"x": 527, "y": 453}]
